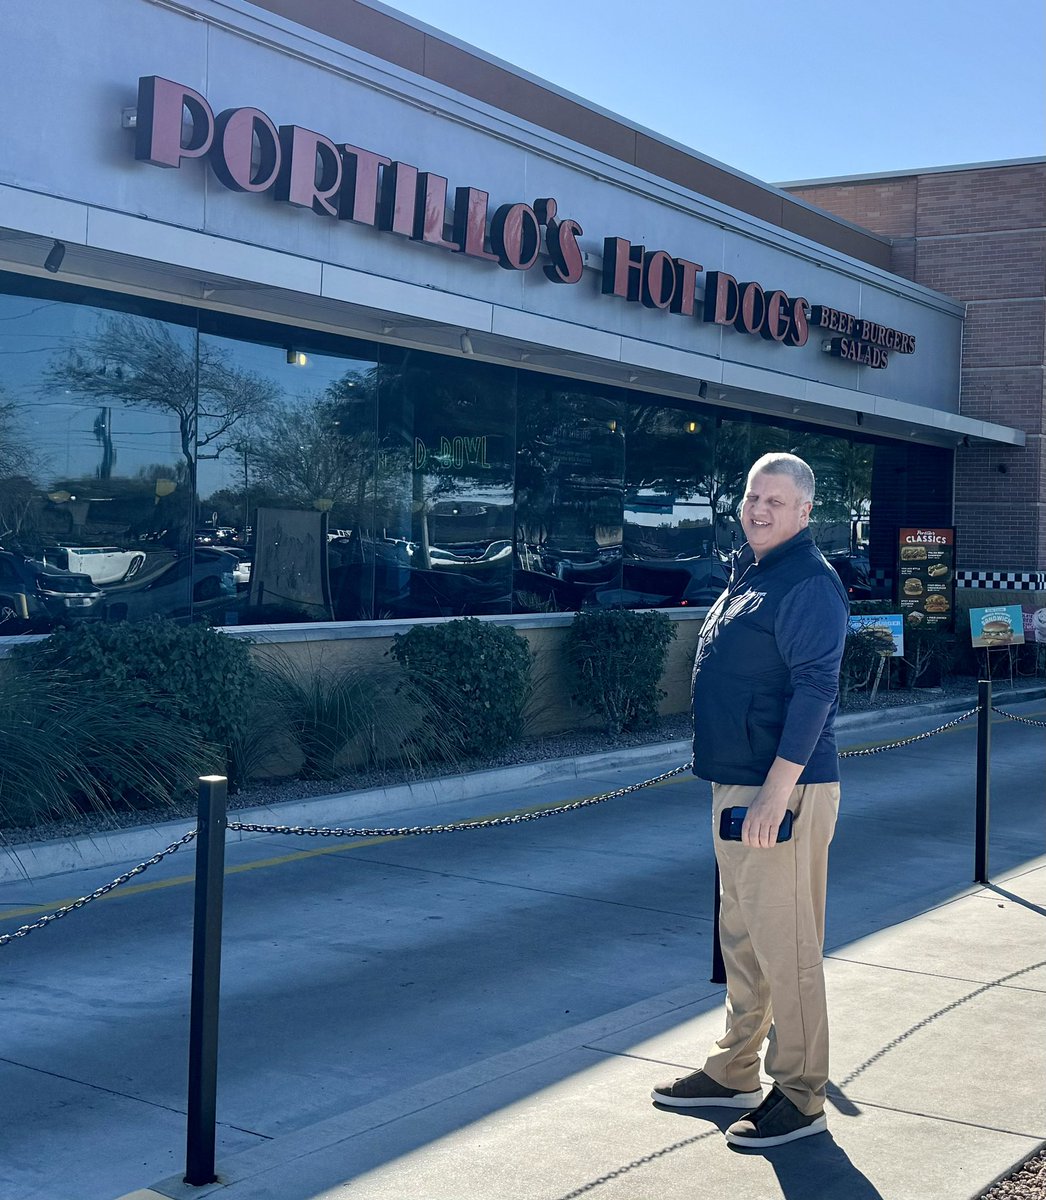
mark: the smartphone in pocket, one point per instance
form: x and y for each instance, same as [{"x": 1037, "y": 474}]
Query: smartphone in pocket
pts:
[{"x": 732, "y": 819}]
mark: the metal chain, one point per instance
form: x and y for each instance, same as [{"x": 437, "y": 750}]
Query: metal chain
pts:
[
  {"x": 1023, "y": 720},
  {"x": 459, "y": 826},
  {"x": 103, "y": 890},
  {"x": 908, "y": 741}
]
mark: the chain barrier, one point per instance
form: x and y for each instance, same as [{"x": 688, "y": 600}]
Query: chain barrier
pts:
[
  {"x": 452, "y": 827},
  {"x": 908, "y": 741},
  {"x": 57, "y": 915},
  {"x": 459, "y": 826},
  {"x": 1023, "y": 720}
]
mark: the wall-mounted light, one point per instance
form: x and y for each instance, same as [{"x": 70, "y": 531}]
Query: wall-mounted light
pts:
[
  {"x": 297, "y": 358},
  {"x": 632, "y": 377},
  {"x": 387, "y": 327},
  {"x": 796, "y": 407},
  {"x": 702, "y": 391},
  {"x": 860, "y": 418},
  {"x": 693, "y": 426},
  {"x": 612, "y": 426},
  {"x": 53, "y": 261},
  {"x": 466, "y": 343}
]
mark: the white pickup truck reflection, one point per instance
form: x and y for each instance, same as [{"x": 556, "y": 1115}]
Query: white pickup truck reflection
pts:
[{"x": 104, "y": 564}]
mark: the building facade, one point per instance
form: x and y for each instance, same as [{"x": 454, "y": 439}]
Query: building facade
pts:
[
  {"x": 311, "y": 314},
  {"x": 978, "y": 234}
]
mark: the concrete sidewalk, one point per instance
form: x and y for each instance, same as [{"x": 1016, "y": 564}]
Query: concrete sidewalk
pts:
[{"x": 923, "y": 1014}]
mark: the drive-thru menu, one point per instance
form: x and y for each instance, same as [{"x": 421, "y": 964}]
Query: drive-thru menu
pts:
[{"x": 926, "y": 577}]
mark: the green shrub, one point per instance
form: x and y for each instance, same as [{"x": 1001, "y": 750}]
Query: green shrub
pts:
[
  {"x": 193, "y": 672},
  {"x": 68, "y": 746},
  {"x": 367, "y": 716},
  {"x": 478, "y": 669},
  {"x": 616, "y": 659}
]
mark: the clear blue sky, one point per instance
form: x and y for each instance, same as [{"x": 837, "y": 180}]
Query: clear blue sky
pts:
[{"x": 785, "y": 90}]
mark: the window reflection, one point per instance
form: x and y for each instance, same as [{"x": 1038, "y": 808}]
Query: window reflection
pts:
[
  {"x": 445, "y": 486},
  {"x": 288, "y": 490},
  {"x": 94, "y": 496},
  {"x": 148, "y": 467},
  {"x": 569, "y": 496}
]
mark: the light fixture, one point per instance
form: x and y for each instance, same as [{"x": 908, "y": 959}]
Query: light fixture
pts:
[
  {"x": 965, "y": 443},
  {"x": 860, "y": 418},
  {"x": 53, "y": 261},
  {"x": 466, "y": 343},
  {"x": 632, "y": 377},
  {"x": 692, "y": 427},
  {"x": 297, "y": 358},
  {"x": 796, "y": 407},
  {"x": 702, "y": 391},
  {"x": 387, "y": 327}
]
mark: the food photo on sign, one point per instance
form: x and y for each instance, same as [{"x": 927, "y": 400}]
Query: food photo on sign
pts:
[
  {"x": 992, "y": 628},
  {"x": 1034, "y": 624},
  {"x": 888, "y": 625}
]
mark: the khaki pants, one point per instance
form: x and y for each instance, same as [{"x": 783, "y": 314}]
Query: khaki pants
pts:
[{"x": 771, "y": 925}]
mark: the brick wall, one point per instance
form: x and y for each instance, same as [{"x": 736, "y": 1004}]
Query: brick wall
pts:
[{"x": 978, "y": 235}]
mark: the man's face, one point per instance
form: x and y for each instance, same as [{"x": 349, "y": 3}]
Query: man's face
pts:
[{"x": 773, "y": 511}]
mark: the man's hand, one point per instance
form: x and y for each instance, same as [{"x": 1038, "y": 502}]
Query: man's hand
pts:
[{"x": 767, "y": 810}]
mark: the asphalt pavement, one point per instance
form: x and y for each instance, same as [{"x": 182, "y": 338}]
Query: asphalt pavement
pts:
[{"x": 482, "y": 1015}]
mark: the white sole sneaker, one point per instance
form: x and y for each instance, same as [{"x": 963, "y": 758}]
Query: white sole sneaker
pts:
[
  {"x": 745, "y": 1100},
  {"x": 819, "y": 1125}
]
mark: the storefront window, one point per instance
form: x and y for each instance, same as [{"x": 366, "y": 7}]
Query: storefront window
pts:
[
  {"x": 670, "y": 552},
  {"x": 286, "y": 475},
  {"x": 445, "y": 470},
  {"x": 570, "y": 484},
  {"x": 96, "y": 434}
]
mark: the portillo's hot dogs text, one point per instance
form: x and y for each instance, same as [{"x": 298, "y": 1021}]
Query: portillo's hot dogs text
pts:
[{"x": 249, "y": 153}]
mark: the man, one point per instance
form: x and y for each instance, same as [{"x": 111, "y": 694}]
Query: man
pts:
[{"x": 765, "y": 693}]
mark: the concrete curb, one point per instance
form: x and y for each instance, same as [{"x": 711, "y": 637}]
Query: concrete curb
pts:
[{"x": 37, "y": 860}]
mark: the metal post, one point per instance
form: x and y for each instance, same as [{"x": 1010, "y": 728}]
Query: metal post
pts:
[
  {"x": 718, "y": 966},
  {"x": 984, "y": 749},
  {"x": 206, "y": 974}
]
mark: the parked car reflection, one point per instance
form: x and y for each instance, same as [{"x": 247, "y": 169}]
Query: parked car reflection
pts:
[
  {"x": 104, "y": 564},
  {"x": 164, "y": 588},
  {"x": 34, "y": 594}
]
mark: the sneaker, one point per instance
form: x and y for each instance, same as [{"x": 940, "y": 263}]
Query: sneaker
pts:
[
  {"x": 700, "y": 1090},
  {"x": 775, "y": 1122}
]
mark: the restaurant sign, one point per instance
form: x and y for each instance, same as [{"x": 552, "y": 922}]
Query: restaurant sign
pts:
[{"x": 249, "y": 153}]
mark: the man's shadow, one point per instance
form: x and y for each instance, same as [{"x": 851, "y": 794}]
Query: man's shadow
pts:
[{"x": 814, "y": 1168}]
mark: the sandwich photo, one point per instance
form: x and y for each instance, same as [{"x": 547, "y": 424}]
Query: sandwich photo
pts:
[
  {"x": 915, "y": 619},
  {"x": 997, "y": 632},
  {"x": 937, "y": 570},
  {"x": 913, "y": 587},
  {"x": 937, "y": 604},
  {"x": 912, "y": 553}
]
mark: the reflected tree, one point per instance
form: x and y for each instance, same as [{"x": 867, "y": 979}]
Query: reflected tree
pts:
[
  {"x": 17, "y": 463},
  {"x": 144, "y": 364}
]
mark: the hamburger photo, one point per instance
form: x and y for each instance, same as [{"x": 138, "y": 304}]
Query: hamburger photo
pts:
[
  {"x": 913, "y": 587},
  {"x": 937, "y": 604},
  {"x": 997, "y": 632}
]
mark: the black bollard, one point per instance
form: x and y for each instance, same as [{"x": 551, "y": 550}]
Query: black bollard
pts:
[
  {"x": 718, "y": 966},
  {"x": 984, "y": 752},
  {"x": 206, "y": 977}
]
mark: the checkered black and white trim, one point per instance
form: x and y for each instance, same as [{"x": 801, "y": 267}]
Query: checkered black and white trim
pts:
[{"x": 1009, "y": 581}]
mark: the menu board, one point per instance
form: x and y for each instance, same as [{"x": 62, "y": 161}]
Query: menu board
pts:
[{"x": 926, "y": 577}]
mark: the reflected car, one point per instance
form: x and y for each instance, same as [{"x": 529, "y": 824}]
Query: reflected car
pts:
[
  {"x": 165, "y": 593},
  {"x": 104, "y": 564},
  {"x": 855, "y": 572},
  {"x": 33, "y": 593}
]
